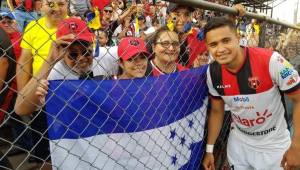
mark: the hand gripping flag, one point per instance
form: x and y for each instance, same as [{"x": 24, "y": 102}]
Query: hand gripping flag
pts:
[{"x": 148, "y": 123}]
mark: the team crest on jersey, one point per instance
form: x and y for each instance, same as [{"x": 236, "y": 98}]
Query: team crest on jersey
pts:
[{"x": 253, "y": 82}]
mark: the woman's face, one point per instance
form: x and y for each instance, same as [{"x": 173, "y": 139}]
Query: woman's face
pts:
[
  {"x": 135, "y": 67},
  {"x": 167, "y": 47}
]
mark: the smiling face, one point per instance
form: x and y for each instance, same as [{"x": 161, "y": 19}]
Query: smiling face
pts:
[
  {"x": 223, "y": 45},
  {"x": 55, "y": 10},
  {"x": 167, "y": 47},
  {"x": 134, "y": 67},
  {"x": 79, "y": 57},
  {"x": 182, "y": 17}
]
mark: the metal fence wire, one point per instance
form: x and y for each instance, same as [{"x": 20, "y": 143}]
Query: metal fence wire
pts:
[{"x": 84, "y": 113}]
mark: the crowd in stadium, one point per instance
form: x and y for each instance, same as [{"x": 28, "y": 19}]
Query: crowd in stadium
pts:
[{"x": 45, "y": 40}]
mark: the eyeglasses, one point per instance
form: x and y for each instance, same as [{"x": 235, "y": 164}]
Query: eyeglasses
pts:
[
  {"x": 6, "y": 21},
  {"x": 85, "y": 53},
  {"x": 167, "y": 44},
  {"x": 55, "y": 4},
  {"x": 108, "y": 11}
]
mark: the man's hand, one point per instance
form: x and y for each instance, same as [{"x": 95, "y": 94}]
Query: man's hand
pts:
[
  {"x": 209, "y": 161},
  {"x": 241, "y": 9},
  {"x": 55, "y": 53},
  {"x": 42, "y": 91},
  {"x": 291, "y": 158}
]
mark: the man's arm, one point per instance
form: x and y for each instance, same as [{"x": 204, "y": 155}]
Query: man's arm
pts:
[
  {"x": 24, "y": 68},
  {"x": 215, "y": 122},
  {"x": 27, "y": 100},
  {"x": 291, "y": 158}
]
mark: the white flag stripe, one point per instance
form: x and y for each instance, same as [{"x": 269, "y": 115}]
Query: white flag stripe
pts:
[{"x": 150, "y": 149}]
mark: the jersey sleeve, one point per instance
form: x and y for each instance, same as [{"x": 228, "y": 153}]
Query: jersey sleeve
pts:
[
  {"x": 212, "y": 91},
  {"x": 283, "y": 74}
]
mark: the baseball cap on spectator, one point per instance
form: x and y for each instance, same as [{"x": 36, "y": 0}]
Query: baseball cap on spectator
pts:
[
  {"x": 7, "y": 15},
  {"x": 77, "y": 27},
  {"x": 173, "y": 6},
  {"x": 131, "y": 46},
  {"x": 108, "y": 7}
]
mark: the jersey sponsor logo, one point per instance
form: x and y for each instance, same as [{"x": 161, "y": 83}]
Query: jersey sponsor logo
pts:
[
  {"x": 284, "y": 62},
  {"x": 226, "y": 86},
  {"x": 244, "y": 107},
  {"x": 292, "y": 80},
  {"x": 241, "y": 99},
  {"x": 253, "y": 82},
  {"x": 260, "y": 133},
  {"x": 284, "y": 73},
  {"x": 258, "y": 120}
]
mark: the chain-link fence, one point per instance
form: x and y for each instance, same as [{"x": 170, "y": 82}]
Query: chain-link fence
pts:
[{"x": 131, "y": 94}]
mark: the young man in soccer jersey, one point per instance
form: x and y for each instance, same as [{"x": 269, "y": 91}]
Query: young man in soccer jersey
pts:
[{"x": 250, "y": 82}]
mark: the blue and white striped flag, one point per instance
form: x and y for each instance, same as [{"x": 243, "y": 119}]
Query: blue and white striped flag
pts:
[{"x": 148, "y": 123}]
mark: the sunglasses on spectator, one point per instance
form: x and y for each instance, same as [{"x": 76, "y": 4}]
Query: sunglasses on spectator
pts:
[
  {"x": 6, "y": 21},
  {"x": 75, "y": 55},
  {"x": 108, "y": 11},
  {"x": 167, "y": 44}
]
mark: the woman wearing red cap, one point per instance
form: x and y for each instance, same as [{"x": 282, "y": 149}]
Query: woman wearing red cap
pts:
[
  {"x": 133, "y": 56},
  {"x": 166, "y": 48}
]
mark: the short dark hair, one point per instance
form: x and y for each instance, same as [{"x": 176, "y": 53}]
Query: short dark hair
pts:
[{"x": 218, "y": 22}]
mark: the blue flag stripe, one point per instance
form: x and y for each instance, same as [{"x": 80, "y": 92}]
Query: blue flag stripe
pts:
[{"x": 86, "y": 108}]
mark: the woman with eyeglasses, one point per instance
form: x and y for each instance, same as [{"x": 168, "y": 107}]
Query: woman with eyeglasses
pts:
[{"x": 166, "y": 49}]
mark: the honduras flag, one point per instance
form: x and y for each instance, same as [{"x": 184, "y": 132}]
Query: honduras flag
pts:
[{"x": 148, "y": 123}]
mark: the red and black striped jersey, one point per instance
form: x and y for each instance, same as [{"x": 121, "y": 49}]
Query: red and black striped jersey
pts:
[{"x": 253, "y": 96}]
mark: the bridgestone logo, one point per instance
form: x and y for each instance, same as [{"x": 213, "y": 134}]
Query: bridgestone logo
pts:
[{"x": 257, "y": 133}]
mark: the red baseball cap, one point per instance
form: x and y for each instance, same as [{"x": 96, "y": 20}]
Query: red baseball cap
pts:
[
  {"x": 74, "y": 26},
  {"x": 131, "y": 46}
]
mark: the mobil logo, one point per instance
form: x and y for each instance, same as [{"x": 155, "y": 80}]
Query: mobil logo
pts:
[
  {"x": 241, "y": 99},
  {"x": 258, "y": 120}
]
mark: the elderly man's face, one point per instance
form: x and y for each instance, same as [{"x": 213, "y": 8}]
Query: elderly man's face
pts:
[{"x": 79, "y": 57}]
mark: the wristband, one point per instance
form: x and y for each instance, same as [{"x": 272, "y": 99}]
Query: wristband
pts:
[{"x": 209, "y": 148}]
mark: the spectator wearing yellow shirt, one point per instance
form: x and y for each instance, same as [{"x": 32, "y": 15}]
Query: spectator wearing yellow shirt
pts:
[{"x": 37, "y": 39}]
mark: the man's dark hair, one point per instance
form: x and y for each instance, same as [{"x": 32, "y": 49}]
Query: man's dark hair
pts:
[{"x": 218, "y": 22}]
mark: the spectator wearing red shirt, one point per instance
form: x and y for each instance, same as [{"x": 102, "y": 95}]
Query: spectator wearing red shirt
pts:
[{"x": 8, "y": 24}]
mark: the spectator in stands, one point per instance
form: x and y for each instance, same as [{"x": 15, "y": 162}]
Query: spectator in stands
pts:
[
  {"x": 8, "y": 24},
  {"x": 35, "y": 45},
  {"x": 252, "y": 31},
  {"x": 165, "y": 53},
  {"x": 7, "y": 74},
  {"x": 102, "y": 37},
  {"x": 202, "y": 59},
  {"x": 188, "y": 35},
  {"x": 37, "y": 40},
  {"x": 70, "y": 57},
  {"x": 110, "y": 25},
  {"x": 24, "y": 12},
  {"x": 243, "y": 77},
  {"x": 78, "y": 7}
]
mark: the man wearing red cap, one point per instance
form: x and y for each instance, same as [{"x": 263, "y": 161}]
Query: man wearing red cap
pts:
[{"x": 70, "y": 57}]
